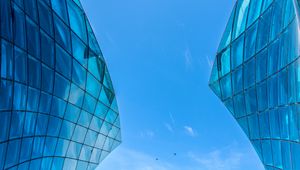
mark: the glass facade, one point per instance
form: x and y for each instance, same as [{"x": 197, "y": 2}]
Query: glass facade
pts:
[
  {"x": 256, "y": 74},
  {"x": 57, "y": 104}
]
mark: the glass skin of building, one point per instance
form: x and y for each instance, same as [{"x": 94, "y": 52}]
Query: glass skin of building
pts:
[
  {"x": 256, "y": 74},
  {"x": 57, "y": 104}
]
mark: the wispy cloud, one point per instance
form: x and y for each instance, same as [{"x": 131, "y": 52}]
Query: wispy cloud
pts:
[
  {"x": 190, "y": 131},
  {"x": 210, "y": 62},
  {"x": 169, "y": 127},
  {"x": 147, "y": 134},
  {"x": 188, "y": 58},
  {"x": 218, "y": 160}
]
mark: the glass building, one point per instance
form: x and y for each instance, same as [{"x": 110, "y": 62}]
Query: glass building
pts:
[
  {"x": 256, "y": 74},
  {"x": 57, "y": 104}
]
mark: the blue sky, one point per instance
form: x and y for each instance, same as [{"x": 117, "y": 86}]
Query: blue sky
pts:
[{"x": 159, "y": 54}]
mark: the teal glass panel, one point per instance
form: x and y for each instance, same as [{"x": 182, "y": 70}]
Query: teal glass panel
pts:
[
  {"x": 77, "y": 20},
  {"x": 226, "y": 38},
  {"x": 237, "y": 52},
  {"x": 250, "y": 41},
  {"x": 254, "y": 11},
  {"x": 239, "y": 105},
  {"x": 225, "y": 84},
  {"x": 240, "y": 17},
  {"x": 249, "y": 77},
  {"x": 225, "y": 62},
  {"x": 264, "y": 25},
  {"x": 276, "y": 147},
  {"x": 237, "y": 80}
]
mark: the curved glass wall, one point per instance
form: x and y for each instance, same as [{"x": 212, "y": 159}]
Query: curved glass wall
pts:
[
  {"x": 256, "y": 74},
  {"x": 57, "y": 104}
]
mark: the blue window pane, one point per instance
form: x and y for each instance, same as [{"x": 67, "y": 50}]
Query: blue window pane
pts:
[
  {"x": 61, "y": 147},
  {"x": 26, "y": 149},
  {"x": 33, "y": 38},
  {"x": 54, "y": 122},
  {"x": 276, "y": 147},
  {"x": 17, "y": 123},
  {"x": 251, "y": 101},
  {"x": 286, "y": 156},
  {"x": 38, "y": 146},
  {"x": 250, "y": 41},
  {"x": 2, "y": 154},
  {"x": 76, "y": 96},
  {"x": 20, "y": 65},
  {"x": 19, "y": 28},
  {"x": 29, "y": 124},
  {"x": 45, "y": 103},
  {"x": 12, "y": 153},
  {"x": 69, "y": 164},
  {"x": 79, "y": 132},
  {"x": 261, "y": 65},
  {"x": 273, "y": 91},
  {"x": 41, "y": 124},
  {"x": 33, "y": 99},
  {"x": 89, "y": 103},
  {"x": 225, "y": 87},
  {"x": 274, "y": 124},
  {"x": 282, "y": 87},
  {"x": 6, "y": 90},
  {"x": 59, "y": 6},
  {"x": 74, "y": 150},
  {"x": 284, "y": 122},
  {"x": 81, "y": 165},
  {"x": 63, "y": 62},
  {"x": 101, "y": 110},
  {"x": 47, "y": 52},
  {"x": 46, "y": 163},
  {"x": 266, "y": 148},
  {"x": 264, "y": 125},
  {"x": 7, "y": 61},
  {"x": 274, "y": 54},
  {"x": 47, "y": 79},
  {"x": 31, "y": 9},
  {"x": 254, "y": 11},
  {"x": 66, "y": 130},
  {"x": 84, "y": 119},
  {"x": 34, "y": 67},
  {"x": 77, "y": 20},
  {"x": 20, "y": 96},
  {"x": 72, "y": 113},
  {"x": 50, "y": 144},
  {"x": 263, "y": 29},
  {"x": 5, "y": 125},
  {"x": 62, "y": 33},
  {"x": 93, "y": 86},
  {"x": 225, "y": 62},
  {"x": 239, "y": 105},
  {"x": 295, "y": 148},
  {"x": 86, "y": 152},
  {"x": 240, "y": 17},
  {"x": 5, "y": 17},
  {"x": 262, "y": 96},
  {"x": 277, "y": 20},
  {"x": 78, "y": 74},
  {"x": 58, "y": 107},
  {"x": 61, "y": 87},
  {"x": 80, "y": 50},
  {"x": 237, "y": 52},
  {"x": 91, "y": 138},
  {"x": 293, "y": 123},
  {"x": 35, "y": 164},
  {"x": 96, "y": 123},
  {"x": 45, "y": 17},
  {"x": 58, "y": 163},
  {"x": 249, "y": 76}
]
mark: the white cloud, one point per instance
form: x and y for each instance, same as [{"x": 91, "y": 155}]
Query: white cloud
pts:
[
  {"x": 190, "y": 131},
  {"x": 169, "y": 127},
  {"x": 210, "y": 62},
  {"x": 188, "y": 58},
  {"x": 147, "y": 134},
  {"x": 218, "y": 160}
]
